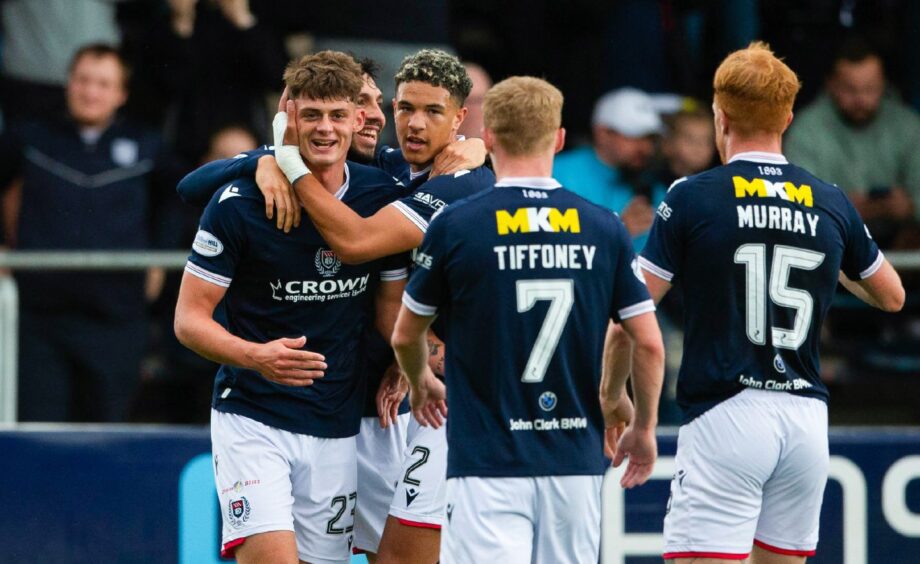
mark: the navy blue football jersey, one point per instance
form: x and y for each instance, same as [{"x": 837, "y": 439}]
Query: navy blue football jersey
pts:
[
  {"x": 287, "y": 285},
  {"x": 526, "y": 277},
  {"x": 391, "y": 160},
  {"x": 429, "y": 196},
  {"x": 755, "y": 247}
]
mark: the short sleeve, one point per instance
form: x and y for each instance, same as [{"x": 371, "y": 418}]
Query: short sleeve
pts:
[
  {"x": 861, "y": 257},
  {"x": 427, "y": 290},
  {"x": 421, "y": 205},
  {"x": 395, "y": 267},
  {"x": 218, "y": 243},
  {"x": 630, "y": 295},
  {"x": 662, "y": 252}
]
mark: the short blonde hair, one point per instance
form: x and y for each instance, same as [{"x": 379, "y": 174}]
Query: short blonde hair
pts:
[
  {"x": 755, "y": 89},
  {"x": 523, "y": 113}
]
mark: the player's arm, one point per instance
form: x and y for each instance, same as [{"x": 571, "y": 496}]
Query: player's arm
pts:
[
  {"x": 436, "y": 353},
  {"x": 616, "y": 406},
  {"x": 356, "y": 239},
  {"x": 882, "y": 290},
  {"x": 428, "y": 395},
  {"x": 198, "y": 186},
  {"x": 633, "y": 347},
  {"x": 387, "y": 304},
  {"x": 280, "y": 361}
]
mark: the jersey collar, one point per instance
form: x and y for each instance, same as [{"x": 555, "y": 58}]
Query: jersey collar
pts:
[
  {"x": 760, "y": 157},
  {"x": 340, "y": 193},
  {"x": 541, "y": 182},
  {"x": 414, "y": 175}
]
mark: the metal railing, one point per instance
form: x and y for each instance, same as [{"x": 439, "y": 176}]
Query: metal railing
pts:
[
  {"x": 124, "y": 260},
  {"x": 55, "y": 260}
]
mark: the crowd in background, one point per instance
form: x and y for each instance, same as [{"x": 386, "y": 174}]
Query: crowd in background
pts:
[{"x": 94, "y": 140}]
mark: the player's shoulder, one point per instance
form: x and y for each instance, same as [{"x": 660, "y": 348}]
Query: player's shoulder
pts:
[
  {"x": 476, "y": 177},
  {"x": 448, "y": 189},
  {"x": 236, "y": 196},
  {"x": 364, "y": 177},
  {"x": 826, "y": 191}
]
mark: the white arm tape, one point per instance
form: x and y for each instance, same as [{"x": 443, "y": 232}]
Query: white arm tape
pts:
[{"x": 287, "y": 156}]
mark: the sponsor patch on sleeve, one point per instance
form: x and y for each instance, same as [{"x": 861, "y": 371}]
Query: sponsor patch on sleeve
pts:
[{"x": 206, "y": 244}]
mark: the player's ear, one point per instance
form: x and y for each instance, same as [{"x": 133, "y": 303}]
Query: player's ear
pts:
[
  {"x": 459, "y": 117},
  {"x": 360, "y": 117},
  {"x": 788, "y": 121},
  {"x": 722, "y": 121},
  {"x": 560, "y": 139},
  {"x": 488, "y": 138}
]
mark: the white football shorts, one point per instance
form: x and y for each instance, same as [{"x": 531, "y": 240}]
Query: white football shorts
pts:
[
  {"x": 546, "y": 519},
  {"x": 273, "y": 480},
  {"x": 420, "y": 491},
  {"x": 751, "y": 470},
  {"x": 380, "y": 463}
]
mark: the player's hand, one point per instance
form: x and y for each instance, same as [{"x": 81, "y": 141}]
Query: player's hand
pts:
[
  {"x": 392, "y": 391},
  {"x": 284, "y": 361},
  {"x": 612, "y": 436},
  {"x": 638, "y": 215},
  {"x": 641, "y": 448},
  {"x": 286, "y": 138},
  {"x": 459, "y": 155},
  {"x": 616, "y": 417},
  {"x": 429, "y": 401},
  {"x": 278, "y": 193}
]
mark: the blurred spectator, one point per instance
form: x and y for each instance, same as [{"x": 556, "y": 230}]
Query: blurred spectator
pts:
[
  {"x": 229, "y": 58},
  {"x": 39, "y": 40},
  {"x": 177, "y": 382},
  {"x": 689, "y": 143},
  {"x": 614, "y": 172},
  {"x": 859, "y": 136},
  {"x": 472, "y": 124},
  {"x": 85, "y": 182}
]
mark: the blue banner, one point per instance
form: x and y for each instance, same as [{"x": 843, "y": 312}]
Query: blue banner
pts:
[{"x": 145, "y": 495}]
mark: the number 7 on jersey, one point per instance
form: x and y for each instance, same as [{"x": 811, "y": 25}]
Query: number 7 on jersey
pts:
[{"x": 561, "y": 296}]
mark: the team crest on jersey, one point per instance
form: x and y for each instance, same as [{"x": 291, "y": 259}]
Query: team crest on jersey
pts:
[
  {"x": 778, "y": 364},
  {"x": 238, "y": 511},
  {"x": 548, "y": 401},
  {"x": 327, "y": 263}
]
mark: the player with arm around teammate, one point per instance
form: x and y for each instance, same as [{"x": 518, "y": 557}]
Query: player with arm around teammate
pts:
[
  {"x": 284, "y": 446},
  {"x": 756, "y": 246},
  {"x": 527, "y": 278},
  {"x": 431, "y": 89}
]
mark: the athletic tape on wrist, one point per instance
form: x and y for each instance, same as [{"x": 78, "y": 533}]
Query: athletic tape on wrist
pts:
[{"x": 287, "y": 156}]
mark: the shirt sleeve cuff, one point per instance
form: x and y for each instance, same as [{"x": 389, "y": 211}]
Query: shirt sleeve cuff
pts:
[
  {"x": 655, "y": 269},
  {"x": 207, "y": 275},
  {"x": 411, "y": 215},
  {"x": 417, "y": 307},
  {"x": 646, "y": 306},
  {"x": 873, "y": 268},
  {"x": 396, "y": 274}
]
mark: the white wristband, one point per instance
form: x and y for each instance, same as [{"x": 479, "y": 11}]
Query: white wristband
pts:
[{"x": 287, "y": 156}]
